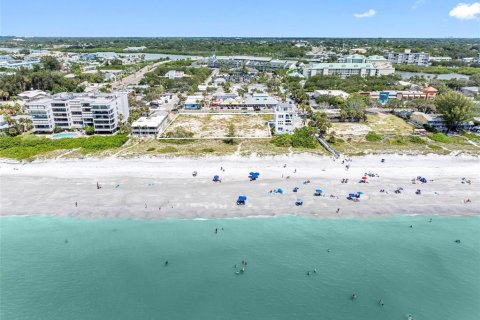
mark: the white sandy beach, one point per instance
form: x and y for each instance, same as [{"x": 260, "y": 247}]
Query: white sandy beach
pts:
[{"x": 154, "y": 188}]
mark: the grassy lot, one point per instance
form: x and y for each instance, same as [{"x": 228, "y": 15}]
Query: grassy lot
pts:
[
  {"x": 380, "y": 123},
  {"x": 214, "y": 147},
  {"x": 30, "y": 147},
  {"x": 404, "y": 145},
  {"x": 218, "y": 125},
  {"x": 390, "y": 134}
]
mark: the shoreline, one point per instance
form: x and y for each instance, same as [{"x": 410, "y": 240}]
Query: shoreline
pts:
[{"x": 164, "y": 188}]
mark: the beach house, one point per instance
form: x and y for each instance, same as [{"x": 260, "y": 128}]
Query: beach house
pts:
[{"x": 150, "y": 126}]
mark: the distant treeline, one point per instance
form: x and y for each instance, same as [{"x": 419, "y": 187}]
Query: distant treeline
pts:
[
  {"x": 272, "y": 47},
  {"x": 438, "y": 69}
]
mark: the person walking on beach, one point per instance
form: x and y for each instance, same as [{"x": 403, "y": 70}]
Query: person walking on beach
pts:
[
  {"x": 145, "y": 205},
  {"x": 338, "y": 210},
  {"x": 76, "y": 204}
]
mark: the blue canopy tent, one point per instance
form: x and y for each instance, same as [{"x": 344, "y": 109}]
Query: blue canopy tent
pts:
[
  {"x": 241, "y": 200},
  {"x": 253, "y": 176},
  {"x": 280, "y": 190},
  {"x": 318, "y": 192},
  {"x": 216, "y": 178}
]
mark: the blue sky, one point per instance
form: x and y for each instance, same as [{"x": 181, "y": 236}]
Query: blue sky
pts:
[{"x": 242, "y": 18}]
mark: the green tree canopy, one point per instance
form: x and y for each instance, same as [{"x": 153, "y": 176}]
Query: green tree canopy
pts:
[
  {"x": 455, "y": 109},
  {"x": 50, "y": 63},
  {"x": 320, "y": 122}
]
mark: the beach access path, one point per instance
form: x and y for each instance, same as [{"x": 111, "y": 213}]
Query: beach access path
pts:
[{"x": 155, "y": 188}]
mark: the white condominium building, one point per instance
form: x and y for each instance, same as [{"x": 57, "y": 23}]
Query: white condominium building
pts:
[
  {"x": 284, "y": 119},
  {"x": 408, "y": 57},
  {"x": 102, "y": 111},
  {"x": 349, "y": 69}
]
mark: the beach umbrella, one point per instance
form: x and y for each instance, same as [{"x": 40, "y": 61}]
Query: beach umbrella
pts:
[
  {"x": 280, "y": 190},
  {"x": 364, "y": 178},
  {"x": 351, "y": 194},
  {"x": 242, "y": 198},
  {"x": 318, "y": 191},
  {"x": 359, "y": 192}
]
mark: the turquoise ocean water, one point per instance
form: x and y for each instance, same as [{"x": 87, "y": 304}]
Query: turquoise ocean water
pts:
[{"x": 65, "y": 268}]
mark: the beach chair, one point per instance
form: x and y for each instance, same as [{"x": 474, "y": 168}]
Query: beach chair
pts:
[
  {"x": 299, "y": 202},
  {"x": 318, "y": 193},
  {"x": 241, "y": 200}
]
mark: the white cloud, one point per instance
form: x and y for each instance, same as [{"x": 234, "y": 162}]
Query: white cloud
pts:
[
  {"x": 465, "y": 11},
  {"x": 370, "y": 13},
  {"x": 418, "y": 4}
]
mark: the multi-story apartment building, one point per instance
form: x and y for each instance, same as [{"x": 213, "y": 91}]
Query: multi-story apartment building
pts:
[
  {"x": 284, "y": 119},
  {"x": 408, "y": 57},
  {"x": 349, "y": 69},
  {"x": 258, "y": 63},
  {"x": 102, "y": 111}
]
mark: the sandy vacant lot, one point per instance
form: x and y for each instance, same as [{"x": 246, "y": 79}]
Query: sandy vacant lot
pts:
[
  {"x": 218, "y": 125},
  {"x": 380, "y": 123}
]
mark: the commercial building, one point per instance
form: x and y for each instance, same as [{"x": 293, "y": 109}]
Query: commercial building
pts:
[
  {"x": 150, "y": 126},
  {"x": 260, "y": 101},
  {"x": 426, "y": 93},
  {"x": 193, "y": 102},
  {"x": 284, "y": 119},
  {"x": 408, "y": 57},
  {"x": 103, "y": 112}
]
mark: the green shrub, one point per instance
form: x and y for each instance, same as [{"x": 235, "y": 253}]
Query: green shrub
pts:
[
  {"x": 179, "y": 132},
  {"x": 440, "y": 137},
  {"x": 304, "y": 138},
  {"x": 398, "y": 141},
  {"x": 208, "y": 150},
  {"x": 168, "y": 149},
  {"x": 416, "y": 139},
  {"x": 283, "y": 140},
  {"x": 372, "y": 136},
  {"x": 151, "y": 149},
  {"x": 230, "y": 141},
  {"x": 89, "y": 130}
]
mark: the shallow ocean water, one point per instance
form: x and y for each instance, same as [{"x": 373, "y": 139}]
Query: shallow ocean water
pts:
[{"x": 66, "y": 268}]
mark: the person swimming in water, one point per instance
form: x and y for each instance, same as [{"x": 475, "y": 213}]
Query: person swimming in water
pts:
[{"x": 354, "y": 296}]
